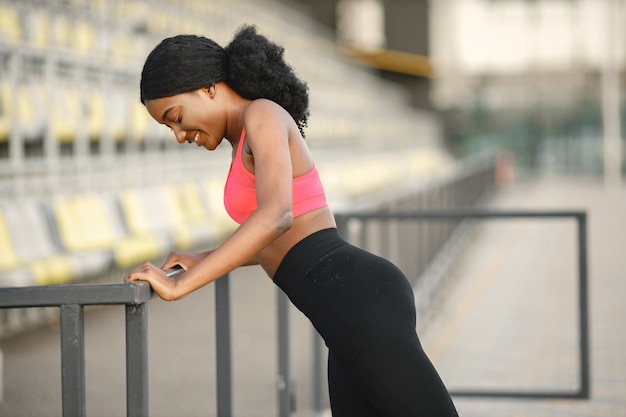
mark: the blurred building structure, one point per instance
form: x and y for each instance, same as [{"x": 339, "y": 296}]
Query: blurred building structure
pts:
[
  {"x": 392, "y": 36},
  {"x": 541, "y": 78},
  {"x": 547, "y": 72}
]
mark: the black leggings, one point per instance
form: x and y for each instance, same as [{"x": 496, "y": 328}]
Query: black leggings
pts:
[{"x": 363, "y": 307}]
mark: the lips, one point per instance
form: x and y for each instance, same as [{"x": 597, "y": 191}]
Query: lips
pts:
[{"x": 195, "y": 138}]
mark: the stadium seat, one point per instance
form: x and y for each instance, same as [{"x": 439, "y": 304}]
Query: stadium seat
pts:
[
  {"x": 153, "y": 210},
  {"x": 140, "y": 121},
  {"x": 92, "y": 223},
  {"x": 34, "y": 245},
  {"x": 66, "y": 112},
  {"x": 12, "y": 272},
  {"x": 5, "y": 117},
  {"x": 10, "y": 24},
  {"x": 191, "y": 212},
  {"x": 61, "y": 30},
  {"x": 36, "y": 238},
  {"x": 95, "y": 112},
  {"x": 29, "y": 123},
  {"x": 83, "y": 36},
  {"x": 117, "y": 114},
  {"x": 213, "y": 198},
  {"x": 31, "y": 102},
  {"x": 38, "y": 23}
]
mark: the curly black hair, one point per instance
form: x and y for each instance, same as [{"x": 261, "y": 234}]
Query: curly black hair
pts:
[{"x": 251, "y": 65}]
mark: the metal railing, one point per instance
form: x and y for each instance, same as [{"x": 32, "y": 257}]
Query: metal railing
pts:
[
  {"x": 406, "y": 252},
  {"x": 71, "y": 300}
]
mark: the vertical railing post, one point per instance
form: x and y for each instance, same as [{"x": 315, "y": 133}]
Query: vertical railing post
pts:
[
  {"x": 223, "y": 347},
  {"x": 583, "y": 307},
  {"x": 73, "y": 360},
  {"x": 283, "y": 382},
  {"x": 136, "y": 360},
  {"x": 318, "y": 374}
]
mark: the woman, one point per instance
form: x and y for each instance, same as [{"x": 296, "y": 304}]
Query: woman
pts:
[{"x": 361, "y": 304}]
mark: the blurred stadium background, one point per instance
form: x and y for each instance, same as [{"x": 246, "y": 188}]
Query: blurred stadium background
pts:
[
  {"x": 90, "y": 185},
  {"x": 404, "y": 93}
]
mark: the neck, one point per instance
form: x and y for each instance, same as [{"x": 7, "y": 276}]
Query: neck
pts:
[{"x": 234, "y": 117}]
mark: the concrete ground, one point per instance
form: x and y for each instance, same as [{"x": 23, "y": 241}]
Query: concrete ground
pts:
[
  {"x": 509, "y": 319},
  {"x": 507, "y": 322}
]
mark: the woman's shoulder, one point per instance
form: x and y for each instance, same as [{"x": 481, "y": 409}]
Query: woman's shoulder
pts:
[
  {"x": 264, "y": 111},
  {"x": 263, "y": 105}
]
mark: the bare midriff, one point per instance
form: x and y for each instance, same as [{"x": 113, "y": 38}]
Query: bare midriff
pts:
[{"x": 303, "y": 226}]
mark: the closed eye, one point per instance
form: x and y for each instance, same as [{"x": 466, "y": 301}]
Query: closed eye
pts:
[{"x": 177, "y": 121}]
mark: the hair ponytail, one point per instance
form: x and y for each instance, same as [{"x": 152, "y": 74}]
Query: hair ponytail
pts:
[{"x": 257, "y": 69}]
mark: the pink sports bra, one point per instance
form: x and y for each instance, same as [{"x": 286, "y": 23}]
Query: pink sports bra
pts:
[{"x": 240, "y": 190}]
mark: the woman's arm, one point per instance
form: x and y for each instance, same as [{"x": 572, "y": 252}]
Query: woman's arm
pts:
[
  {"x": 267, "y": 135},
  {"x": 187, "y": 260}
]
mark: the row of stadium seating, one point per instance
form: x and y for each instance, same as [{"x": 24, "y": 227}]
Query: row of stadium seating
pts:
[
  {"x": 117, "y": 28},
  {"x": 80, "y": 237},
  {"x": 85, "y": 235},
  {"x": 81, "y": 30},
  {"x": 55, "y": 90},
  {"x": 67, "y": 110}
]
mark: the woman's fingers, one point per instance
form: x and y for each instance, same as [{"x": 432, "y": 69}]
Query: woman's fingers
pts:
[{"x": 139, "y": 273}]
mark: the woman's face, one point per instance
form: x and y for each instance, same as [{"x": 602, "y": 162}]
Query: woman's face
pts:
[{"x": 194, "y": 117}]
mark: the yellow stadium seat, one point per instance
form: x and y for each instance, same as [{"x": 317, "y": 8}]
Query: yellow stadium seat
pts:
[
  {"x": 53, "y": 270},
  {"x": 10, "y": 24},
  {"x": 122, "y": 46},
  {"x": 83, "y": 36},
  {"x": 26, "y": 108},
  {"x": 39, "y": 28},
  {"x": 34, "y": 245},
  {"x": 133, "y": 11},
  {"x": 156, "y": 210},
  {"x": 5, "y": 115},
  {"x": 8, "y": 258},
  {"x": 5, "y": 130},
  {"x": 190, "y": 212},
  {"x": 146, "y": 211},
  {"x": 16, "y": 271},
  {"x": 89, "y": 222},
  {"x": 95, "y": 107},
  {"x": 65, "y": 113},
  {"x": 116, "y": 113},
  {"x": 61, "y": 30},
  {"x": 213, "y": 193},
  {"x": 188, "y": 201},
  {"x": 31, "y": 99},
  {"x": 139, "y": 121}
]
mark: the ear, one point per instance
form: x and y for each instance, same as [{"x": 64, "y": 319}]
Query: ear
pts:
[{"x": 211, "y": 90}]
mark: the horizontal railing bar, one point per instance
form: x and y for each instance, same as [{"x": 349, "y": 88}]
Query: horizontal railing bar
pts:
[
  {"x": 455, "y": 214},
  {"x": 91, "y": 294},
  {"x": 520, "y": 394}
]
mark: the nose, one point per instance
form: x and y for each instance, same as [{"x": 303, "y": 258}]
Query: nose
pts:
[{"x": 180, "y": 135}]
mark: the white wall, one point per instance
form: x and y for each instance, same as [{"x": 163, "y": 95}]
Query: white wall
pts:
[{"x": 475, "y": 37}]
